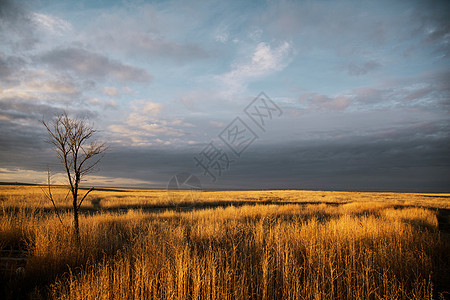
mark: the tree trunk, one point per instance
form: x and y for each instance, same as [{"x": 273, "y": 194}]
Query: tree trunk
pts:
[
  {"x": 75, "y": 215},
  {"x": 75, "y": 222}
]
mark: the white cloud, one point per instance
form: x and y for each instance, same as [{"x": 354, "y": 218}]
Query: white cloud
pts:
[
  {"x": 111, "y": 103},
  {"x": 127, "y": 90},
  {"x": 146, "y": 107},
  {"x": 255, "y": 34},
  {"x": 222, "y": 37},
  {"x": 217, "y": 124},
  {"x": 315, "y": 101},
  {"x": 40, "y": 86},
  {"x": 105, "y": 104},
  {"x": 264, "y": 61},
  {"x": 111, "y": 91},
  {"x": 34, "y": 92},
  {"x": 29, "y": 176},
  {"x": 51, "y": 24},
  {"x": 39, "y": 177},
  {"x": 94, "y": 100},
  {"x": 142, "y": 128}
]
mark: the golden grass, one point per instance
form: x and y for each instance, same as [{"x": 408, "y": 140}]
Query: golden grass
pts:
[
  {"x": 32, "y": 196},
  {"x": 286, "y": 245}
]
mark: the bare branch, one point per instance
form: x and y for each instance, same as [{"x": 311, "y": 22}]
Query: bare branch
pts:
[
  {"x": 85, "y": 195},
  {"x": 49, "y": 195}
]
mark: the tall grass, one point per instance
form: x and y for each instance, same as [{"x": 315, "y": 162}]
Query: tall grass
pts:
[
  {"x": 355, "y": 250},
  {"x": 31, "y": 196},
  {"x": 267, "y": 253}
]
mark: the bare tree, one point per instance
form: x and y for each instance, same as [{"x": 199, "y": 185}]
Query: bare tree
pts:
[{"x": 78, "y": 152}]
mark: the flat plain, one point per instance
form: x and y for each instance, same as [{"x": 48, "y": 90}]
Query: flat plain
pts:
[{"x": 151, "y": 244}]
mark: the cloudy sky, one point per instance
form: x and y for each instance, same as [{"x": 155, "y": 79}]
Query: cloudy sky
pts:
[{"x": 356, "y": 93}]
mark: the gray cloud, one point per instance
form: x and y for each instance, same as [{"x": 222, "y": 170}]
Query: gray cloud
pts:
[
  {"x": 357, "y": 69},
  {"x": 28, "y": 94},
  {"x": 27, "y": 113},
  {"x": 434, "y": 23},
  {"x": 413, "y": 158},
  {"x": 361, "y": 29},
  {"x": 427, "y": 91},
  {"x": 318, "y": 101},
  {"x": 16, "y": 26},
  {"x": 16, "y": 109},
  {"x": 147, "y": 34},
  {"x": 10, "y": 66},
  {"x": 148, "y": 46},
  {"x": 86, "y": 63},
  {"x": 331, "y": 24}
]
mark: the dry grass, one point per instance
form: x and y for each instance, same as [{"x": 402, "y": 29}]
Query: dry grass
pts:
[
  {"x": 31, "y": 196},
  {"x": 285, "y": 245}
]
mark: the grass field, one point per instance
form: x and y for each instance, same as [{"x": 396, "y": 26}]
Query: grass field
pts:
[{"x": 142, "y": 244}]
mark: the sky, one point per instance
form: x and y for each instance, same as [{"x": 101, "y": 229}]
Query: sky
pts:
[{"x": 323, "y": 95}]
